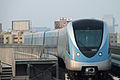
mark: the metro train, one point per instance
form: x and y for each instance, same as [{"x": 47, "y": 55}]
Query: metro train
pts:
[{"x": 83, "y": 46}]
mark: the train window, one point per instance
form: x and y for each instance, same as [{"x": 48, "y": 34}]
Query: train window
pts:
[{"x": 88, "y": 38}]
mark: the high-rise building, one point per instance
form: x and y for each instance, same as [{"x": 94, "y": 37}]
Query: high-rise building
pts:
[
  {"x": 110, "y": 20},
  {"x": 62, "y": 22}
]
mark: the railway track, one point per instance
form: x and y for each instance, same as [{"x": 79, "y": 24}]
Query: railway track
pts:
[{"x": 111, "y": 77}]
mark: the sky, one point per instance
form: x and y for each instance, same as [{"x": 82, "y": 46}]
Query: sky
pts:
[{"x": 42, "y": 13}]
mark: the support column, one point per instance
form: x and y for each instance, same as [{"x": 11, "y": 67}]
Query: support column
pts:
[
  {"x": 28, "y": 70},
  {"x": 57, "y": 70}
]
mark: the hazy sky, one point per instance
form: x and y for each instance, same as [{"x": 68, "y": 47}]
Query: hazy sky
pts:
[{"x": 42, "y": 13}]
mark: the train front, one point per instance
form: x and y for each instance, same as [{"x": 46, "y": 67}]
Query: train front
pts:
[{"x": 88, "y": 47}]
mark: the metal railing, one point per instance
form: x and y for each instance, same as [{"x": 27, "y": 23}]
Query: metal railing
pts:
[
  {"x": 27, "y": 52},
  {"x": 22, "y": 52}
]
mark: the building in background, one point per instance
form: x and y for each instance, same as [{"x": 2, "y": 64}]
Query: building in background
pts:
[
  {"x": 39, "y": 29},
  {"x": 62, "y": 22},
  {"x": 0, "y": 27},
  {"x": 8, "y": 39},
  {"x": 110, "y": 20},
  {"x": 114, "y": 39},
  {"x": 18, "y": 37},
  {"x": 21, "y": 26}
]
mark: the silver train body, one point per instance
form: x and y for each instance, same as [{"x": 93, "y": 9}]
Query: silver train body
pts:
[{"x": 63, "y": 43}]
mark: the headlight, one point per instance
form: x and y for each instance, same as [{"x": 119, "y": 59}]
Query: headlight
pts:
[
  {"x": 78, "y": 54},
  {"x": 100, "y": 53}
]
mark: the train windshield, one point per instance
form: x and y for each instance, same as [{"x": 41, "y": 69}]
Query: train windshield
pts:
[{"x": 88, "y": 36}]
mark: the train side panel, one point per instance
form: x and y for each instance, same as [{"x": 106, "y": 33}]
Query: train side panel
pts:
[
  {"x": 51, "y": 38},
  {"x": 62, "y": 43},
  {"x": 28, "y": 39},
  {"x": 38, "y": 38}
]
